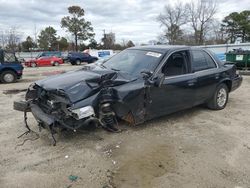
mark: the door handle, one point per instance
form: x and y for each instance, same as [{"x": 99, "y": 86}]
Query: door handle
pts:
[
  {"x": 192, "y": 82},
  {"x": 217, "y": 76}
]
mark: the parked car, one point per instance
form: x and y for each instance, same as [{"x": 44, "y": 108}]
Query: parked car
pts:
[
  {"x": 136, "y": 85},
  {"x": 50, "y": 54},
  {"x": 44, "y": 61},
  {"x": 76, "y": 58},
  {"x": 10, "y": 68}
]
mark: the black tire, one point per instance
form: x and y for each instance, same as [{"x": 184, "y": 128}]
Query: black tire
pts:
[
  {"x": 56, "y": 63},
  {"x": 219, "y": 99},
  {"x": 78, "y": 62},
  {"x": 8, "y": 76}
]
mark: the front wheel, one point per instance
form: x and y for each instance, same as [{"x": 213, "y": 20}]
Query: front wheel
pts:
[
  {"x": 8, "y": 77},
  {"x": 219, "y": 99},
  {"x": 78, "y": 62}
]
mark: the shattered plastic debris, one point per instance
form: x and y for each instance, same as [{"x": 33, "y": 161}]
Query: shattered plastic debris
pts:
[
  {"x": 108, "y": 152},
  {"x": 73, "y": 178},
  {"x": 114, "y": 162}
]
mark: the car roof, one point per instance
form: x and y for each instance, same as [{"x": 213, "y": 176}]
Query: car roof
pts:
[
  {"x": 51, "y": 52},
  {"x": 163, "y": 48},
  {"x": 76, "y": 52}
]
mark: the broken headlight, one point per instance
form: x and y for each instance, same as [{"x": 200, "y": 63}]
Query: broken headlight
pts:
[{"x": 83, "y": 112}]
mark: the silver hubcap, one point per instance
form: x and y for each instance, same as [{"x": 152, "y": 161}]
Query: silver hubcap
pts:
[
  {"x": 8, "y": 78},
  {"x": 222, "y": 97},
  {"x": 33, "y": 65},
  {"x": 78, "y": 62}
]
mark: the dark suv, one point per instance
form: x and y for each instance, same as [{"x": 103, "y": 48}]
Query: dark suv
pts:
[
  {"x": 10, "y": 68},
  {"x": 76, "y": 58}
]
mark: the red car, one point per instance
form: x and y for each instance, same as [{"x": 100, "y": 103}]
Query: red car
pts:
[{"x": 44, "y": 61}]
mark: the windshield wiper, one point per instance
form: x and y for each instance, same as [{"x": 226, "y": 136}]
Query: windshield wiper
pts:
[
  {"x": 103, "y": 66},
  {"x": 115, "y": 69}
]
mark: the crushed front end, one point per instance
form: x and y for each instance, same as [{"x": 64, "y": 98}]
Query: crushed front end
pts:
[{"x": 54, "y": 110}]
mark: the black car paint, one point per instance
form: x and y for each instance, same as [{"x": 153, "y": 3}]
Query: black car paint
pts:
[{"x": 138, "y": 99}]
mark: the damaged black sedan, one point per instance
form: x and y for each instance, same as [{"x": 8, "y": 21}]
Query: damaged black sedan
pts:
[{"x": 136, "y": 85}]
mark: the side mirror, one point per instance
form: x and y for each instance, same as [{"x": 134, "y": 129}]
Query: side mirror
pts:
[
  {"x": 146, "y": 74},
  {"x": 159, "y": 80}
]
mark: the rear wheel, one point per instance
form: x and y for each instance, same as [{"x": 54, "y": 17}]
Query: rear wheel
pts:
[
  {"x": 8, "y": 77},
  {"x": 219, "y": 99},
  {"x": 56, "y": 63},
  {"x": 78, "y": 62}
]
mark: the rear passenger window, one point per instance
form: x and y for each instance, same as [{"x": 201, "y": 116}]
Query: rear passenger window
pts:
[
  {"x": 201, "y": 61},
  {"x": 210, "y": 61}
]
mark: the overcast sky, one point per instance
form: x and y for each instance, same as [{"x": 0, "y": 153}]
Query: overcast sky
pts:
[{"x": 128, "y": 19}]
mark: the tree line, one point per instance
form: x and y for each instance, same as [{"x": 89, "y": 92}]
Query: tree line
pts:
[{"x": 194, "y": 23}]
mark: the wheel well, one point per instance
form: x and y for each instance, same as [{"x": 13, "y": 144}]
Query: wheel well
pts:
[
  {"x": 8, "y": 69},
  {"x": 228, "y": 84}
]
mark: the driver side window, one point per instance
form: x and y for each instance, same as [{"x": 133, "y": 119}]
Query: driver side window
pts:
[{"x": 176, "y": 64}]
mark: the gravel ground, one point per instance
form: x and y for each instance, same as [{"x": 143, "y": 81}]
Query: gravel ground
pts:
[{"x": 193, "y": 148}]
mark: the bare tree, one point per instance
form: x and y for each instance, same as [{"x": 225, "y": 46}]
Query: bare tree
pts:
[
  {"x": 10, "y": 38},
  {"x": 173, "y": 18},
  {"x": 216, "y": 34},
  {"x": 3, "y": 39},
  {"x": 201, "y": 13}
]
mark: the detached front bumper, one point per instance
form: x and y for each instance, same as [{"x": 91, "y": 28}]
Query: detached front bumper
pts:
[
  {"x": 236, "y": 82},
  {"x": 46, "y": 119},
  {"x": 37, "y": 112}
]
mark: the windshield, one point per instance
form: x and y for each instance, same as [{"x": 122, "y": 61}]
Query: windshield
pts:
[{"x": 134, "y": 61}]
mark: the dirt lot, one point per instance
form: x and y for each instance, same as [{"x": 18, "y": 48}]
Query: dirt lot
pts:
[{"x": 193, "y": 148}]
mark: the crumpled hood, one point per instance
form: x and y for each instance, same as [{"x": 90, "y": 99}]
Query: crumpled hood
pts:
[{"x": 80, "y": 84}]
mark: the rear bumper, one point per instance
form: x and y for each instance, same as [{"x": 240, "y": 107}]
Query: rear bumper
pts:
[{"x": 236, "y": 82}]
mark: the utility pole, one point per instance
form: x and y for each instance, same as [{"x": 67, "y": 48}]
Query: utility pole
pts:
[
  {"x": 104, "y": 39},
  {"x": 35, "y": 33}
]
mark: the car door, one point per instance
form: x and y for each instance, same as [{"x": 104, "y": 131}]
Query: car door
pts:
[
  {"x": 207, "y": 73},
  {"x": 178, "y": 88},
  {"x": 85, "y": 57},
  {"x": 43, "y": 61}
]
